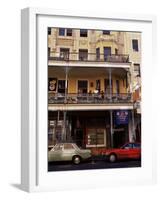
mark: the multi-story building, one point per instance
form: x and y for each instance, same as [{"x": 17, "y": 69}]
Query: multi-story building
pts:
[{"x": 91, "y": 86}]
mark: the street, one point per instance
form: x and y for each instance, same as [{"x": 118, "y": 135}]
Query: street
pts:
[{"x": 99, "y": 164}]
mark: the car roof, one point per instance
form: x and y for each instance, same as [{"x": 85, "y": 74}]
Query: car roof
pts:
[{"x": 62, "y": 143}]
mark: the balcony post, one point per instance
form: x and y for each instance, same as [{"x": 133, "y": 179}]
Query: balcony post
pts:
[
  {"x": 66, "y": 84},
  {"x": 133, "y": 127},
  {"x": 64, "y": 126},
  {"x": 110, "y": 83},
  {"x": 111, "y": 127}
]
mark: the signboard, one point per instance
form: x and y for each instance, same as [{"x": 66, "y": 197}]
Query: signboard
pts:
[
  {"x": 52, "y": 84},
  {"x": 121, "y": 117}
]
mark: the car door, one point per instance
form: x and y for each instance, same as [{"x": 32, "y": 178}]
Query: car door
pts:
[
  {"x": 136, "y": 151},
  {"x": 126, "y": 151},
  {"x": 68, "y": 152}
]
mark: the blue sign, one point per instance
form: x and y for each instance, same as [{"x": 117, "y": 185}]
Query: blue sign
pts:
[{"x": 121, "y": 117}]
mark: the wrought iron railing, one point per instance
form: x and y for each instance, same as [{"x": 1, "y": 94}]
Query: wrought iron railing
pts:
[
  {"x": 88, "y": 57},
  {"x": 87, "y": 98}
]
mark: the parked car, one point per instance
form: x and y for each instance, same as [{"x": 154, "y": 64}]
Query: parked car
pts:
[
  {"x": 129, "y": 150},
  {"x": 68, "y": 152}
]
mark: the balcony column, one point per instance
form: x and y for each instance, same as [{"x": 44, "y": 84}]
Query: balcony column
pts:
[
  {"x": 64, "y": 135},
  {"x": 110, "y": 83},
  {"x": 133, "y": 127},
  {"x": 111, "y": 127},
  {"x": 66, "y": 84}
]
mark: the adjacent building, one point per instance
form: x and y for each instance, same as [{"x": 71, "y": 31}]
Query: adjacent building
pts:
[{"x": 94, "y": 87}]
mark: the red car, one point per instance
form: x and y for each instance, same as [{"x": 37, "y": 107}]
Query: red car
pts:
[{"x": 130, "y": 150}]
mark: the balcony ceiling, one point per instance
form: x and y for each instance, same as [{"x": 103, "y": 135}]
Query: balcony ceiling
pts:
[{"x": 86, "y": 72}]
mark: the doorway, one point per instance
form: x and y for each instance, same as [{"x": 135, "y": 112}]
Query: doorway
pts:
[
  {"x": 82, "y": 86},
  {"x": 107, "y": 52},
  {"x": 119, "y": 138}
]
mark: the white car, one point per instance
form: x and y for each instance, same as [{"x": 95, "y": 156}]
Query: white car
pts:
[{"x": 68, "y": 152}]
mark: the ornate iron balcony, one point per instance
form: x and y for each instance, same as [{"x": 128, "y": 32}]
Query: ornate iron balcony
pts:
[
  {"x": 88, "y": 57},
  {"x": 87, "y": 98}
]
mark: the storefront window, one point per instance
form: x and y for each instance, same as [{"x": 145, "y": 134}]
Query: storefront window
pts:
[{"x": 96, "y": 138}]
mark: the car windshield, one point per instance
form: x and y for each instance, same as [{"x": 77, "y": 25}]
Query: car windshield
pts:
[
  {"x": 127, "y": 146},
  {"x": 76, "y": 147},
  {"x": 57, "y": 147}
]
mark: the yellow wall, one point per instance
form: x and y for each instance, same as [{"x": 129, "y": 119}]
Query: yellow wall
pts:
[{"x": 73, "y": 82}]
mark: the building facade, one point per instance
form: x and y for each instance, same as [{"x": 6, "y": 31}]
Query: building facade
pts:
[{"x": 93, "y": 87}]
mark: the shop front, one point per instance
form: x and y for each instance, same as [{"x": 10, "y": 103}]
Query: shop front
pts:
[{"x": 89, "y": 129}]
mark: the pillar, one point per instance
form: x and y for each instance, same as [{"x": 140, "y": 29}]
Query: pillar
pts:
[
  {"x": 111, "y": 127},
  {"x": 110, "y": 83}
]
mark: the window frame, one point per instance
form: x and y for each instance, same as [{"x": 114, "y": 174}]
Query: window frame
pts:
[
  {"x": 61, "y": 29},
  {"x": 135, "y": 46},
  {"x": 84, "y": 35}
]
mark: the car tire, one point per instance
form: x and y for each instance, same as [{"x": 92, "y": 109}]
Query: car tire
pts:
[
  {"x": 76, "y": 160},
  {"x": 112, "y": 158}
]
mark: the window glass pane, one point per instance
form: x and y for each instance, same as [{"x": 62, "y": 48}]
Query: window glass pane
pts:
[
  {"x": 100, "y": 136},
  {"x": 128, "y": 146},
  {"x": 83, "y": 54},
  {"x": 83, "y": 33},
  {"x": 92, "y": 137},
  {"x": 98, "y": 53},
  {"x": 96, "y": 137},
  {"x": 61, "y": 31},
  {"x": 137, "y": 69},
  {"x": 58, "y": 147},
  {"x": 135, "y": 45},
  {"x": 49, "y": 31},
  {"x": 68, "y": 146},
  {"x": 69, "y": 32},
  {"x": 64, "y": 53},
  {"x": 106, "y": 32}
]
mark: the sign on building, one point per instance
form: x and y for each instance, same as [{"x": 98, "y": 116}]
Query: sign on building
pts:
[{"x": 121, "y": 117}]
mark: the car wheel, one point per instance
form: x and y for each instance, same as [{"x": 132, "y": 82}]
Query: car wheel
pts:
[
  {"x": 76, "y": 160},
  {"x": 112, "y": 158}
]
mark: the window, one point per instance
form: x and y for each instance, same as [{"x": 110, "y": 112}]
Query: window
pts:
[
  {"x": 98, "y": 54},
  {"x": 83, "y": 33},
  {"x": 107, "y": 86},
  {"x": 83, "y": 54},
  {"x": 135, "y": 45},
  {"x": 49, "y": 52},
  {"x": 82, "y": 86},
  {"x": 58, "y": 147},
  {"x": 96, "y": 137},
  {"x": 128, "y": 146},
  {"x": 64, "y": 53},
  {"x": 116, "y": 51},
  {"x": 137, "y": 69},
  {"x": 107, "y": 52},
  {"x": 69, "y": 32},
  {"x": 68, "y": 146},
  {"x": 61, "y": 86},
  {"x": 106, "y": 32},
  {"x": 98, "y": 85},
  {"x": 49, "y": 31},
  {"x": 117, "y": 86},
  {"x": 62, "y": 31}
]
